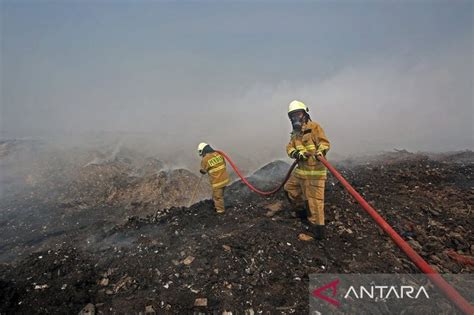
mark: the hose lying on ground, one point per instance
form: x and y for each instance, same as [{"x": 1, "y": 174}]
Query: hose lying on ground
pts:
[
  {"x": 450, "y": 292},
  {"x": 435, "y": 277},
  {"x": 260, "y": 192}
]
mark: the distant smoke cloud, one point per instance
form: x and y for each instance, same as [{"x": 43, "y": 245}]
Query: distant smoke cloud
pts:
[
  {"x": 420, "y": 104},
  {"x": 423, "y": 106}
]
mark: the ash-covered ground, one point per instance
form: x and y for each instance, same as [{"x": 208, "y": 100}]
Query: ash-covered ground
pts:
[{"x": 104, "y": 234}]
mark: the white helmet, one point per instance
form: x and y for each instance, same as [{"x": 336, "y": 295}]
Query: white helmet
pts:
[
  {"x": 201, "y": 147},
  {"x": 297, "y": 105}
]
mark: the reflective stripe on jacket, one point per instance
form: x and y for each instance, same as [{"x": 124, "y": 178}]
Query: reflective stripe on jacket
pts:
[
  {"x": 311, "y": 139},
  {"x": 213, "y": 163}
]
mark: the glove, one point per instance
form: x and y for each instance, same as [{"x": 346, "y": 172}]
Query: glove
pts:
[
  {"x": 302, "y": 156},
  {"x": 294, "y": 154},
  {"x": 320, "y": 153},
  {"x": 202, "y": 171}
]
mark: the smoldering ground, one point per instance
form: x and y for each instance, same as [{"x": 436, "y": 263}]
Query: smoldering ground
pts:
[
  {"x": 126, "y": 257},
  {"x": 421, "y": 106}
]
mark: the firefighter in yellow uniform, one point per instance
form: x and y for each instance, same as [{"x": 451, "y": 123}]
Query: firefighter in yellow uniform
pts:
[
  {"x": 214, "y": 164},
  {"x": 307, "y": 142}
]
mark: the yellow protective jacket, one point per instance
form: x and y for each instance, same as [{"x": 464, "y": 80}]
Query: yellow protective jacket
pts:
[
  {"x": 311, "y": 139},
  {"x": 213, "y": 163}
]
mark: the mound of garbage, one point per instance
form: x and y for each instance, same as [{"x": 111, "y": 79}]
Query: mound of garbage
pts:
[
  {"x": 118, "y": 177},
  {"x": 48, "y": 193}
]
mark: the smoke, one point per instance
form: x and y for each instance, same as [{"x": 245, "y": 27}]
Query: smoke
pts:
[
  {"x": 417, "y": 98},
  {"x": 425, "y": 105},
  {"x": 384, "y": 104}
]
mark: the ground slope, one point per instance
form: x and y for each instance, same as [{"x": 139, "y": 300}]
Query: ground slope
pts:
[{"x": 251, "y": 258}]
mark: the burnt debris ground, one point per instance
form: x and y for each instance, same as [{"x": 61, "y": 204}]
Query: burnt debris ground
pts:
[{"x": 137, "y": 257}]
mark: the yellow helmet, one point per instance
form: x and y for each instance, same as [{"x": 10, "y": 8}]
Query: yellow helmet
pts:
[
  {"x": 201, "y": 147},
  {"x": 297, "y": 105}
]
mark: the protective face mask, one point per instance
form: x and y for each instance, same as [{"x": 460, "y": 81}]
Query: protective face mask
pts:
[{"x": 296, "y": 123}]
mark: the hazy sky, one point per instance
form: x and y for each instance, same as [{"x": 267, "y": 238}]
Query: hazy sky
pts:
[{"x": 376, "y": 75}]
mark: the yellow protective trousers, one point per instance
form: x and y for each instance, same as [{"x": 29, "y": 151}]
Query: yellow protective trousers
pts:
[
  {"x": 218, "y": 197},
  {"x": 299, "y": 190}
]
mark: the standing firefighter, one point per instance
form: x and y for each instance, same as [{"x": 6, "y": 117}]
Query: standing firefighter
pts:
[
  {"x": 213, "y": 163},
  {"x": 307, "y": 181}
]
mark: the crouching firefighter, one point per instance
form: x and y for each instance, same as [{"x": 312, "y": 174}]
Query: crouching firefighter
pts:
[
  {"x": 307, "y": 182},
  {"x": 214, "y": 164}
]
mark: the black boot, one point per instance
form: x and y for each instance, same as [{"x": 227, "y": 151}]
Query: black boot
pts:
[
  {"x": 301, "y": 213},
  {"x": 318, "y": 231}
]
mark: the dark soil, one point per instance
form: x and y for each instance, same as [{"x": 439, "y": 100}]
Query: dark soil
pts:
[{"x": 248, "y": 260}]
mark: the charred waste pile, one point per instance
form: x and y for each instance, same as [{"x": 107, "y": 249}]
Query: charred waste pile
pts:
[{"x": 113, "y": 234}]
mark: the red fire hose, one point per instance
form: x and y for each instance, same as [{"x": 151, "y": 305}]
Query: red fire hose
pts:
[
  {"x": 447, "y": 289},
  {"x": 435, "y": 277},
  {"x": 263, "y": 193}
]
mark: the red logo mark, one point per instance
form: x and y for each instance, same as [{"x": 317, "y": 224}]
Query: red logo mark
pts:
[{"x": 318, "y": 292}]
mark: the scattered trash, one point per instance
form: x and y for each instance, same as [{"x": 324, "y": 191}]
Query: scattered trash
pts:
[
  {"x": 41, "y": 286},
  {"x": 285, "y": 308},
  {"x": 123, "y": 283},
  {"x": 188, "y": 260},
  {"x": 89, "y": 309},
  {"x": 104, "y": 282},
  {"x": 150, "y": 310},
  {"x": 415, "y": 245},
  {"x": 145, "y": 263},
  {"x": 462, "y": 259},
  {"x": 305, "y": 237},
  {"x": 273, "y": 208},
  {"x": 407, "y": 234},
  {"x": 200, "y": 302}
]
